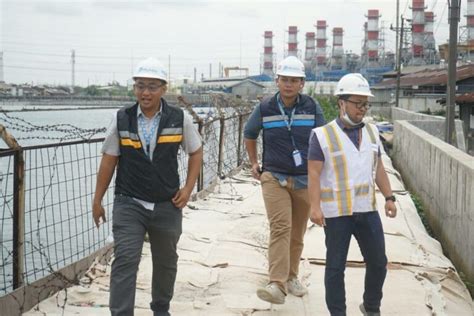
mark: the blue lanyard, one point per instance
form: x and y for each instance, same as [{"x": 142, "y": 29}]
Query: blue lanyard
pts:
[
  {"x": 147, "y": 136},
  {"x": 288, "y": 122},
  {"x": 284, "y": 116}
]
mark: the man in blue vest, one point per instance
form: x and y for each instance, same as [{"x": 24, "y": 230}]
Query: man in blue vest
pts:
[
  {"x": 286, "y": 120},
  {"x": 344, "y": 165},
  {"x": 142, "y": 142}
]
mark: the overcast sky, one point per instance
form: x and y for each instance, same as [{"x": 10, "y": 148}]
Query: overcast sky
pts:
[{"x": 110, "y": 36}]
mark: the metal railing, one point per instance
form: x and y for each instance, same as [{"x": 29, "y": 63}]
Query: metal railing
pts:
[{"x": 46, "y": 193}]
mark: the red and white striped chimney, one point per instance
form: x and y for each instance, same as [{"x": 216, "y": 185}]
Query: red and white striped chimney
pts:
[
  {"x": 268, "y": 53},
  {"x": 429, "y": 42},
  {"x": 310, "y": 46},
  {"x": 321, "y": 40},
  {"x": 418, "y": 27},
  {"x": 292, "y": 41},
  {"x": 337, "y": 48},
  {"x": 470, "y": 22},
  {"x": 373, "y": 35}
]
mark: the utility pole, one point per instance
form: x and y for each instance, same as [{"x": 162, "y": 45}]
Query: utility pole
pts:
[
  {"x": 454, "y": 15},
  {"x": 399, "y": 63},
  {"x": 1, "y": 67},
  {"x": 73, "y": 70},
  {"x": 397, "y": 56},
  {"x": 169, "y": 70}
]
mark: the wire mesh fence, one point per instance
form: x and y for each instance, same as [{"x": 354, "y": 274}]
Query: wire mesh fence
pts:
[{"x": 46, "y": 193}]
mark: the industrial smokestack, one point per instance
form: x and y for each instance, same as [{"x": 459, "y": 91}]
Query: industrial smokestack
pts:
[
  {"x": 373, "y": 36},
  {"x": 470, "y": 22},
  {"x": 418, "y": 29},
  {"x": 337, "y": 48},
  {"x": 321, "y": 43},
  {"x": 429, "y": 42},
  {"x": 310, "y": 46},
  {"x": 268, "y": 53},
  {"x": 292, "y": 41}
]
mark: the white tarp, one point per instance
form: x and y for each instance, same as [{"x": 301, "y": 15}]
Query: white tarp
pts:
[{"x": 223, "y": 260}]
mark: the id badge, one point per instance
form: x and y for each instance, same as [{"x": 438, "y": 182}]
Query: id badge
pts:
[{"x": 297, "y": 158}]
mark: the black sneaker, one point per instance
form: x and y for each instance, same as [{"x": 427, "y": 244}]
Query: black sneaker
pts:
[{"x": 366, "y": 313}]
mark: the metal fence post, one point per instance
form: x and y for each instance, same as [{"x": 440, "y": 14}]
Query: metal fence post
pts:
[
  {"x": 239, "y": 146},
  {"x": 18, "y": 218},
  {"x": 200, "y": 180},
  {"x": 221, "y": 147},
  {"x": 18, "y": 207}
]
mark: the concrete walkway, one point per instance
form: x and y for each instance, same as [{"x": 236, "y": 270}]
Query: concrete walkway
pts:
[{"x": 223, "y": 261}]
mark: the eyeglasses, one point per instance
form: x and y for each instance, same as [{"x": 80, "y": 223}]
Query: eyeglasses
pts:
[
  {"x": 290, "y": 80},
  {"x": 141, "y": 87},
  {"x": 360, "y": 105}
]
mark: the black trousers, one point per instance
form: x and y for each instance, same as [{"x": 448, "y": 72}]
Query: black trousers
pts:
[{"x": 130, "y": 223}]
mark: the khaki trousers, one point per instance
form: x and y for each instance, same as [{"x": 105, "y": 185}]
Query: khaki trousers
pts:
[{"x": 288, "y": 214}]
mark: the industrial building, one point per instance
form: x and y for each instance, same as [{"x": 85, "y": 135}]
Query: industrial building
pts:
[
  {"x": 326, "y": 59},
  {"x": 325, "y": 64}
]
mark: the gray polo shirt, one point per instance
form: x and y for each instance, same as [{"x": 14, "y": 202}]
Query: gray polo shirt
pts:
[{"x": 190, "y": 143}]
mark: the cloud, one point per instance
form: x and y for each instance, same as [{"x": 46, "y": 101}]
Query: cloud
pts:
[
  {"x": 147, "y": 5},
  {"x": 66, "y": 8}
]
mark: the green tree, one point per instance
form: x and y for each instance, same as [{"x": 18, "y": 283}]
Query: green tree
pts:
[
  {"x": 329, "y": 106},
  {"x": 92, "y": 91}
]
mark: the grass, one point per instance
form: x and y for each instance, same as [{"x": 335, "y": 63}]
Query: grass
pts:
[{"x": 421, "y": 212}]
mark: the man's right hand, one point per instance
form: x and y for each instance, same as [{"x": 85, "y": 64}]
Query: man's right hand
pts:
[
  {"x": 316, "y": 216},
  {"x": 98, "y": 212},
  {"x": 256, "y": 171}
]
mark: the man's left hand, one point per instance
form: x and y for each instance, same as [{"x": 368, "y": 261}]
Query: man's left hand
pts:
[
  {"x": 181, "y": 197},
  {"x": 390, "y": 209}
]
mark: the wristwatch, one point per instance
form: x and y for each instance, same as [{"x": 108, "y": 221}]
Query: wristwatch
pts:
[{"x": 390, "y": 198}]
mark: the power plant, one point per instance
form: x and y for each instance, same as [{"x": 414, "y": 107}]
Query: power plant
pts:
[{"x": 329, "y": 63}]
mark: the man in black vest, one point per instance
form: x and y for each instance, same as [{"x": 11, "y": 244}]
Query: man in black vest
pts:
[
  {"x": 142, "y": 142},
  {"x": 286, "y": 119}
]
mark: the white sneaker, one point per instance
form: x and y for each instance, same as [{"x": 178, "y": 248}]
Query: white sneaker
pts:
[
  {"x": 296, "y": 288},
  {"x": 272, "y": 294}
]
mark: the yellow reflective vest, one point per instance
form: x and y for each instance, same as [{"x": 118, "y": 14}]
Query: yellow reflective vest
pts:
[{"x": 348, "y": 176}]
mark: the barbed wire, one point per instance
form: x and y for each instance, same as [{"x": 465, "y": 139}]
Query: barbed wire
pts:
[
  {"x": 67, "y": 131},
  {"x": 61, "y": 177}
]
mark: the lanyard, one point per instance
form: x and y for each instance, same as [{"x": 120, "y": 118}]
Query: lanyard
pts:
[
  {"x": 288, "y": 122},
  {"x": 147, "y": 136},
  {"x": 284, "y": 116}
]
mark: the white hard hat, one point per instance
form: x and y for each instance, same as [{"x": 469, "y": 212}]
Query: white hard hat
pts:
[
  {"x": 151, "y": 68},
  {"x": 353, "y": 84},
  {"x": 291, "y": 67}
]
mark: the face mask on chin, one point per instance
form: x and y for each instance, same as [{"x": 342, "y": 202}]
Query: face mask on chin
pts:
[{"x": 348, "y": 120}]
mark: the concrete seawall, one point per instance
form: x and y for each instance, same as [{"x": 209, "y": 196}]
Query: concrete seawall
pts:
[{"x": 443, "y": 177}]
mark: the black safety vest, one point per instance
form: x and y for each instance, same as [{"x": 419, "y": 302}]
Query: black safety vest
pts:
[
  {"x": 154, "y": 180},
  {"x": 277, "y": 145}
]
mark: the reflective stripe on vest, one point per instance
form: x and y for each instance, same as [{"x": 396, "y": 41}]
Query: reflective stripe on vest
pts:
[
  {"x": 343, "y": 193},
  {"x": 170, "y": 135},
  {"x": 279, "y": 121},
  {"x": 374, "y": 167},
  {"x": 130, "y": 139}
]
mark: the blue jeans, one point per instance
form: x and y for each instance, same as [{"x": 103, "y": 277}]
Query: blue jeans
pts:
[
  {"x": 367, "y": 229},
  {"x": 130, "y": 223}
]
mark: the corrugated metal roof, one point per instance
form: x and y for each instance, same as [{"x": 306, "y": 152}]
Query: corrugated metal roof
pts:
[
  {"x": 431, "y": 77},
  {"x": 466, "y": 98}
]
